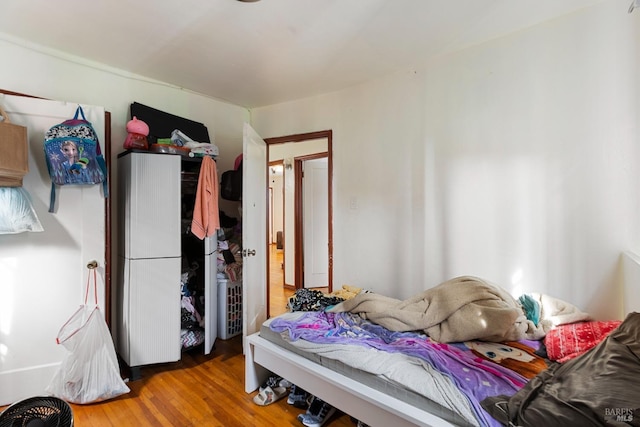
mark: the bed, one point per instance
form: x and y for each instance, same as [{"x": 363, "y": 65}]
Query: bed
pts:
[
  {"x": 370, "y": 405},
  {"x": 368, "y": 389}
]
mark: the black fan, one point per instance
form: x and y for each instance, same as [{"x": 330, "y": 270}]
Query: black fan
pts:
[{"x": 44, "y": 411}]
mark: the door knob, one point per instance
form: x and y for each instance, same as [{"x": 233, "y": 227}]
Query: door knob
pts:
[{"x": 248, "y": 252}]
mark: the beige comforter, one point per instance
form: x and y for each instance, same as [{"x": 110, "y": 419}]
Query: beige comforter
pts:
[{"x": 461, "y": 309}]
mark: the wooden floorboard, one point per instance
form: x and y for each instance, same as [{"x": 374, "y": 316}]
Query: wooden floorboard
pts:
[
  {"x": 278, "y": 293},
  {"x": 198, "y": 390}
]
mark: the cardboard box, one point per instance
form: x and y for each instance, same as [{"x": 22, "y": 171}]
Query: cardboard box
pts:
[{"x": 14, "y": 152}]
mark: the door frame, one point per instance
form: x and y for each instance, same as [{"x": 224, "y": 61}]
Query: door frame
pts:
[{"x": 302, "y": 137}]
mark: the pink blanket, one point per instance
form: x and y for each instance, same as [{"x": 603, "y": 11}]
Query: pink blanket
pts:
[{"x": 568, "y": 341}]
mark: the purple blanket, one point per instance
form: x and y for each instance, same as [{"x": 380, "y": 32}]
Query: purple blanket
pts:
[{"x": 475, "y": 376}]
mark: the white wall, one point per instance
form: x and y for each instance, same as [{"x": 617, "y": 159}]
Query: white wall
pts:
[
  {"x": 514, "y": 161},
  {"x": 49, "y": 74}
]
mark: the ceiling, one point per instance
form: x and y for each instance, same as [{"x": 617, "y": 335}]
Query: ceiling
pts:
[{"x": 266, "y": 52}]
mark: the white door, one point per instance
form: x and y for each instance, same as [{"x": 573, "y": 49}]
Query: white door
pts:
[
  {"x": 43, "y": 275},
  {"x": 254, "y": 231},
  {"x": 315, "y": 214}
]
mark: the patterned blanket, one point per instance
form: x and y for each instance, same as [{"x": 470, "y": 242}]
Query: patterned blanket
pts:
[{"x": 478, "y": 369}]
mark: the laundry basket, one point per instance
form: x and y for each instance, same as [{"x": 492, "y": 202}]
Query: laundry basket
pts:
[{"x": 229, "y": 308}]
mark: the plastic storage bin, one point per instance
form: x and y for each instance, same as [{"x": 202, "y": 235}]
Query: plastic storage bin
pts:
[{"x": 229, "y": 308}]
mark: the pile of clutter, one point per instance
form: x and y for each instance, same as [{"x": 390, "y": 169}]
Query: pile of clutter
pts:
[
  {"x": 191, "y": 307},
  {"x": 314, "y": 300},
  {"x": 178, "y": 143},
  {"x": 229, "y": 261}
]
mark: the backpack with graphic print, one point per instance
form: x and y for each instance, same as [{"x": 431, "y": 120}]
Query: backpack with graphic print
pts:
[{"x": 73, "y": 156}]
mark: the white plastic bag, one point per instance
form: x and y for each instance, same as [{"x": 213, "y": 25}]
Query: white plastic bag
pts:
[
  {"x": 90, "y": 372},
  {"x": 17, "y": 214}
]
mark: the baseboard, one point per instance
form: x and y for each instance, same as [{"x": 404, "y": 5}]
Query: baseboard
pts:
[{"x": 23, "y": 383}]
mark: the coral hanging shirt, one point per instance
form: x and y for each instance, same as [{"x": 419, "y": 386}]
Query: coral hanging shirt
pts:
[{"x": 206, "y": 219}]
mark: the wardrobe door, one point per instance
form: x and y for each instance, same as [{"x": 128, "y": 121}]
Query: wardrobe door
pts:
[
  {"x": 210, "y": 293},
  {"x": 153, "y": 213},
  {"x": 153, "y": 311}
]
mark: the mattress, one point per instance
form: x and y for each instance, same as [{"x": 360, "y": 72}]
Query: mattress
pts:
[{"x": 371, "y": 380}]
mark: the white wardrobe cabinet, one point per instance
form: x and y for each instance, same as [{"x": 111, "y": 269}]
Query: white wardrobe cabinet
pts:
[{"x": 153, "y": 190}]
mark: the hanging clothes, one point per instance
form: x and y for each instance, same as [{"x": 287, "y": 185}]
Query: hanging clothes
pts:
[{"x": 206, "y": 220}]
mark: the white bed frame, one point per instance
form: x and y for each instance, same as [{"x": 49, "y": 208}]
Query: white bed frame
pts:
[{"x": 353, "y": 398}]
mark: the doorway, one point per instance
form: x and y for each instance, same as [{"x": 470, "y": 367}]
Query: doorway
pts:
[{"x": 286, "y": 259}]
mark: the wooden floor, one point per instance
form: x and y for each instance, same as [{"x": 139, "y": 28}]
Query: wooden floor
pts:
[
  {"x": 278, "y": 293},
  {"x": 198, "y": 391}
]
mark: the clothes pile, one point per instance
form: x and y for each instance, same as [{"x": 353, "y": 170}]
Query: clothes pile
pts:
[
  {"x": 191, "y": 321},
  {"x": 196, "y": 149},
  {"x": 229, "y": 263}
]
